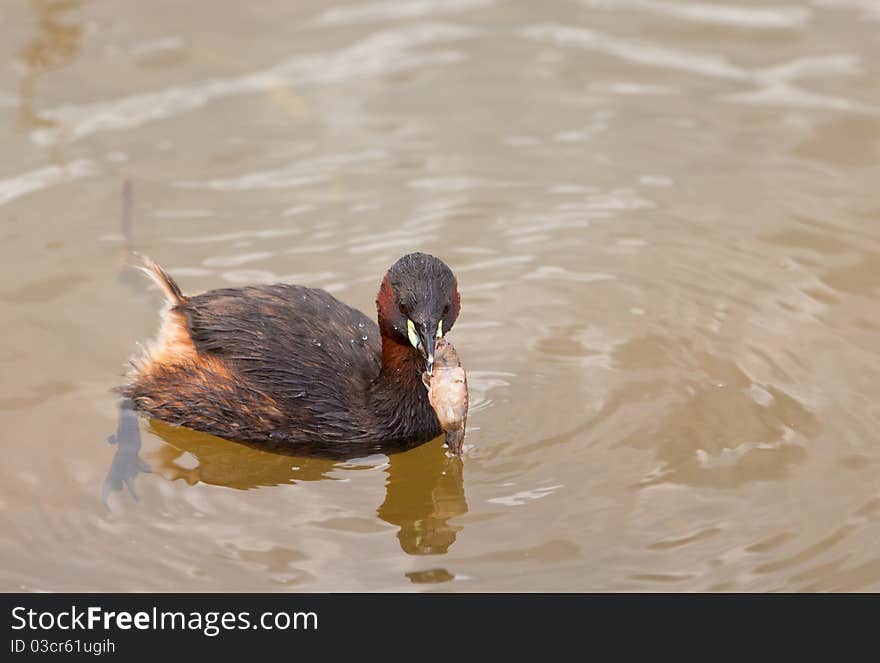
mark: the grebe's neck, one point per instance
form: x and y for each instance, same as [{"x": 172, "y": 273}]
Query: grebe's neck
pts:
[{"x": 399, "y": 399}]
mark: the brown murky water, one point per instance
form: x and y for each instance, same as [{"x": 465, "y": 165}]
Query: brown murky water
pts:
[{"x": 664, "y": 216}]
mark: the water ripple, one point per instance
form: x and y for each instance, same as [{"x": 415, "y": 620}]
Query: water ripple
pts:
[
  {"x": 454, "y": 183},
  {"x": 394, "y": 10},
  {"x": 235, "y": 236},
  {"x": 293, "y": 175},
  {"x": 775, "y": 84},
  {"x": 639, "y": 53},
  {"x": 869, "y": 9},
  {"x": 524, "y": 496},
  {"x": 554, "y": 272},
  {"x": 42, "y": 178},
  {"x": 381, "y": 53},
  {"x": 762, "y": 18}
]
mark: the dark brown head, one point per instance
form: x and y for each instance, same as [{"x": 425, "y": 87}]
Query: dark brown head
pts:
[{"x": 418, "y": 302}]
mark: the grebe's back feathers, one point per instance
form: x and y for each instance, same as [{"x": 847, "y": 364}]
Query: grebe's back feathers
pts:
[{"x": 259, "y": 329}]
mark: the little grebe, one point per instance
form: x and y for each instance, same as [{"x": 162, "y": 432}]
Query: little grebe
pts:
[{"x": 294, "y": 368}]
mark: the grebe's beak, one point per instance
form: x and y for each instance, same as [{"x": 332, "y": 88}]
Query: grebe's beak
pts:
[
  {"x": 427, "y": 337},
  {"x": 423, "y": 336}
]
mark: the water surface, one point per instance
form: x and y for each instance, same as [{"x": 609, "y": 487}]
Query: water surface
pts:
[{"x": 663, "y": 217}]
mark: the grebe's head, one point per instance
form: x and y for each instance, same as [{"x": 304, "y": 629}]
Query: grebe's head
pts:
[{"x": 418, "y": 303}]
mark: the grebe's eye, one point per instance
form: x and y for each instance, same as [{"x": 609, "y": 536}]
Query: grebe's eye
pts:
[
  {"x": 445, "y": 310},
  {"x": 402, "y": 308}
]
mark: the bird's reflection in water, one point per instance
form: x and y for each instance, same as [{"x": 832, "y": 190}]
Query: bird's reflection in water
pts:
[
  {"x": 424, "y": 489},
  {"x": 127, "y": 462},
  {"x": 201, "y": 458}
]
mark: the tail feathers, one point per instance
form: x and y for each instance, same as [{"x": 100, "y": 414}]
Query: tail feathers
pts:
[{"x": 161, "y": 278}]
